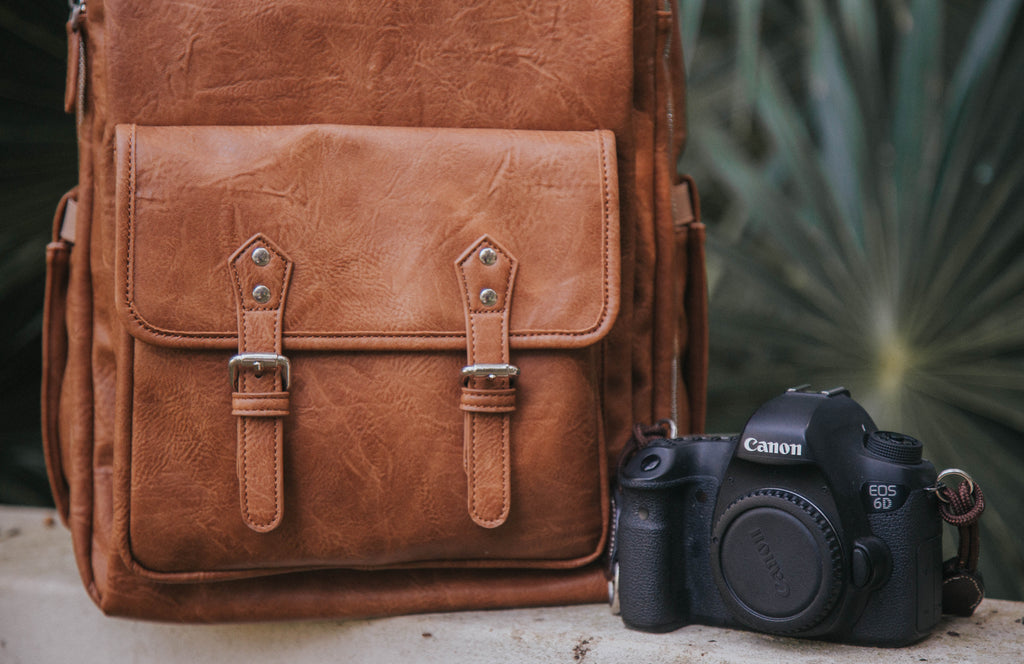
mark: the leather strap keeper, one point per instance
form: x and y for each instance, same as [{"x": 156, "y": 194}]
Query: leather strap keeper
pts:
[
  {"x": 488, "y": 401},
  {"x": 260, "y": 404}
]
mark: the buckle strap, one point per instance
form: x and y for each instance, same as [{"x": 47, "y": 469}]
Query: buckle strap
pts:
[
  {"x": 486, "y": 272},
  {"x": 258, "y": 362},
  {"x": 260, "y": 378}
]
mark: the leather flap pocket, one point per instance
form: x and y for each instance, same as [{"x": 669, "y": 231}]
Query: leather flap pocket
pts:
[
  {"x": 372, "y": 219},
  {"x": 416, "y": 315}
]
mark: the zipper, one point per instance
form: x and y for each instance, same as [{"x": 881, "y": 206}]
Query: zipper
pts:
[
  {"x": 666, "y": 62},
  {"x": 76, "y": 51},
  {"x": 77, "y": 13},
  {"x": 666, "y": 57}
]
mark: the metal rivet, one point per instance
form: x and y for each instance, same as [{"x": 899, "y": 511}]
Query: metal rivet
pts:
[
  {"x": 488, "y": 256},
  {"x": 488, "y": 297},
  {"x": 260, "y": 256},
  {"x": 261, "y": 294}
]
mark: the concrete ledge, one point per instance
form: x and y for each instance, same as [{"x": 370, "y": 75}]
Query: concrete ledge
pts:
[{"x": 45, "y": 616}]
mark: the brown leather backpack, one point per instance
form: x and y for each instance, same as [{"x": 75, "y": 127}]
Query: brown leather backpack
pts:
[{"x": 355, "y": 303}]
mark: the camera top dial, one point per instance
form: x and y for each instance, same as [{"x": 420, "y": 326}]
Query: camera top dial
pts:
[{"x": 895, "y": 447}]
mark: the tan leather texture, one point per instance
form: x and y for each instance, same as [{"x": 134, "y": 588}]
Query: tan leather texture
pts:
[
  {"x": 549, "y": 65},
  {"x": 345, "y": 466},
  {"x": 378, "y": 215},
  {"x": 364, "y": 255}
]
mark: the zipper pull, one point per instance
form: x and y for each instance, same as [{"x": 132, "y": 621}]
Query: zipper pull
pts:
[
  {"x": 77, "y": 13},
  {"x": 74, "y": 85}
]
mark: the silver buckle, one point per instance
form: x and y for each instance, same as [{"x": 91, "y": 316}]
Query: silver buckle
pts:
[
  {"x": 259, "y": 362},
  {"x": 489, "y": 371}
]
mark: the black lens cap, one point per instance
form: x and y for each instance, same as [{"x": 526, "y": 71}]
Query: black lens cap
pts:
[
  {"x": 777, "y": 562},
  {"x": 895, "y": 447}
]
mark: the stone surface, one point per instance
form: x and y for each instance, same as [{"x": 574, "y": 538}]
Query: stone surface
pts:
[{"x": 46, "y": 616}]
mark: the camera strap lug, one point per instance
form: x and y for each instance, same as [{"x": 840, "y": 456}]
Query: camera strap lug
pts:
[
  {"x": 962, "y": 584},
  {"x": 664, "y": 428}
]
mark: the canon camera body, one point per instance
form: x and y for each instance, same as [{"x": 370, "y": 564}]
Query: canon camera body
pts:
[{"x": 810, "y": 523}]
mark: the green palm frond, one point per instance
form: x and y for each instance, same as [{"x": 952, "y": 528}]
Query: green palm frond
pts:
[{"x": 867, "y": 227}]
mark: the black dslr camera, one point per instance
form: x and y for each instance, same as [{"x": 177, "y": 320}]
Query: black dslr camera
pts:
[{"x": 811, "y": 523}]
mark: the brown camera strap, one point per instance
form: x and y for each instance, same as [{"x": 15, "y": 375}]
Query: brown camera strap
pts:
[{"x": 962, "y": 585}]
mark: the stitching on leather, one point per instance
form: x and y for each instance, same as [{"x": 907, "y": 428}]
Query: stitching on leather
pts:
[
  {"x": 280, "y": 297},
  {"x": 505, "y": 497},
  {"x": 129, "y": 282},
  {"x": 498, "y": 399},
  {"x": 278, "y": 436},
  {"x": 472, "y": 336},
  {"x": 250, "y": 517},
  {"x": 605, "y": 190},
  {"x": 280, "y": 300},
  {"x": 261, "y": 403},
  {"x": 504, "y": 477},
  {"x": 277, "y": 503},
  {"x": 227, "y": 336},
  {"x": 278, "y": 315},
  {"x": 244, "y": 346},
  {"x": 473, "y": 475},
  {"x": 279, "y": 394},
  {"x": 230, "y": 336},
  {"x": 238, "y": 291},
  {"x": 505, "y": 314},
  {"x": 245, "y": 470},
  {"x": 506, "y": 304},
  {"x": 468, "y": 302},
  {"x": 245, "y": 422},
  {"x": 277, "y": 471},
  {"x": 475, "y": 339}
]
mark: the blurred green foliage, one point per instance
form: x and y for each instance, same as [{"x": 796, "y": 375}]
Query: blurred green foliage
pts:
[
  {"x": 38, "y": 162},
  {"x": 862, "y": 165}
]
